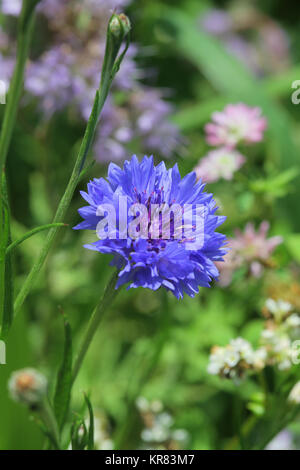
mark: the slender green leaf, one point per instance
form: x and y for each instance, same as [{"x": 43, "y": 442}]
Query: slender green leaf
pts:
[
  {"x": 27, "y": 235},
  {"x": 79, "y": 434},
  {"x": 91, "y": 423},
  {"x": 64, "y": 379},
  {"x": 4, "y": 225},
  {"x": 8, "y": 312}
]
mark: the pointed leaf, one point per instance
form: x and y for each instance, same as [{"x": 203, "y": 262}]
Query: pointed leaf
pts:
[
  {"x": 91, "y": 425},
  {"x": 64, "y": 380}
]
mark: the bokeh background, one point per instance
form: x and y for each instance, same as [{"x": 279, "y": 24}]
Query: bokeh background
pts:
[{"x": 187, "y": 60}]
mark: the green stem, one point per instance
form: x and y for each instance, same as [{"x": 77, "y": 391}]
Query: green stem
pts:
[
  {"x": 50, "y": 422},
  {"x": 110, "y": 68},
  {"x": 6, "y": 276},
  {"x": 97, "y": 315},
  {"x": 5, "y": 266},
  {"x": 3, "y": 244},
  {"x": 27, "y": 235},
  {"x": 24, "y": 39},
  {"x": 146, "y": 372}
]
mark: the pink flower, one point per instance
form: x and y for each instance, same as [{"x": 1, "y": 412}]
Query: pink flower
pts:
[
  {"x": 219, "y": 164},
  {"x": 249, "y": 248},
  {"x": 236, "y": 123}
]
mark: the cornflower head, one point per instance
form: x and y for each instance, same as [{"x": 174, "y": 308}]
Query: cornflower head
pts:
[
  {"x": 164, "y": 246},
  {"x": 250, "y": 248},
  {"x": 219, "y": 164},
  {"x": 237, "y": 123}
]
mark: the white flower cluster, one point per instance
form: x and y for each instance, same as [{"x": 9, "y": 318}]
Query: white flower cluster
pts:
[
  {"x": 234, "y": 359},
  {"x": 279, "y": 309},
  {"x": 282, "y": 328},
  {"x": 276, "y": 345},
  {"x": 158, "y": 432}
]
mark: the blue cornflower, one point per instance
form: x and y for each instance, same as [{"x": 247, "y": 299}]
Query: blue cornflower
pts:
[{"x": 172, "y": 262}]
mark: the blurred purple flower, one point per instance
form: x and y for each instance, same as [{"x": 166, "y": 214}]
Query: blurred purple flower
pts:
[
  {"x": 68, "y": 74},
  {"x": 113, "y": 135},
  {"x": 4, "y": 40},
  {"x": 143, "y": 117},
  {"x": 97, "y": 6},
  {"x": 283, "y": 441},
  {"x": 51, "y": 7},
  {"x": 11, "y": 7},
  {"x": 216, "y": 21},
  {"x": 6, "y": 67},
  {"x": 236, "y": 123},
  {"x": 219, "y": 164},
  {"x": 249, "y": 248},
  {"x": 251, "y": 36},
  {"x": 152, "y": 124},
  {"x": 50, "y": 79},
  {"x": 244, "y": 51}
]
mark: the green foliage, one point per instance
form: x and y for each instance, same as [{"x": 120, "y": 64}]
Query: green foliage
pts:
[
  {"x": 64, "y": 379},
  {"x": 90, "y": 444},
  {"x": 149, "y": 344}
]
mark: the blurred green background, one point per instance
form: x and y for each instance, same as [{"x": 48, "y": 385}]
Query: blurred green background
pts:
[{"x": 150, "y": 344}]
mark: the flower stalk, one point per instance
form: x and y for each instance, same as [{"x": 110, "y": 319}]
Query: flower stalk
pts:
[
  {"x": 24, "y": 39},
  {"x": 48, "y": 418},
  {"x": 25, "y": 32},
  {"x": 111, "y": 66},
  {"x": 108, "y": 296}
]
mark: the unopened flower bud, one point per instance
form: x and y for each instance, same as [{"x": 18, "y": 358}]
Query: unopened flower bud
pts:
[
  {"x": 28, "y": 386},
  {"x": 119, "y": 26}
]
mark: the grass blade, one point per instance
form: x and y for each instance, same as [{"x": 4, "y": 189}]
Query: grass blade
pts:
[
  {"x": 64, "y": 379},
  {"x": 29, "y": 234},
  {"x": 91, "y": 424}
]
